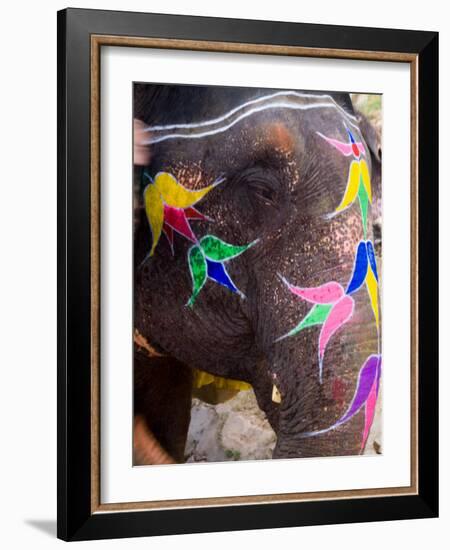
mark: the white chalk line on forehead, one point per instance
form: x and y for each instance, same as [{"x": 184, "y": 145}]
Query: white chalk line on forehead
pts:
[
  {"x": 289, "y": 93},
  {"x": 194, "y": 130}
]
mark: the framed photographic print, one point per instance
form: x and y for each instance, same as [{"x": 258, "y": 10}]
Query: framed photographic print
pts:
[{"x": 247, "y": 277}]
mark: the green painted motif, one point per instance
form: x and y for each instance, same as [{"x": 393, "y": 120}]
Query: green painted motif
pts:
[
  {"x": 217, "y": 250},
  {"x": 363, "y": 203},
  {"x": 198, "y": 268},
  {"x": 316, "y": 316}
]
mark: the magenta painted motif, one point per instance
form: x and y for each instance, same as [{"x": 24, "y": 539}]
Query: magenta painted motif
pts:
[{"x": 177, "y": 219}]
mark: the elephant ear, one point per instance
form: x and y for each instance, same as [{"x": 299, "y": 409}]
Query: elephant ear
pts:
[
  {"x": 371, "y": 136},
  {"x": 345, "y": 101}
]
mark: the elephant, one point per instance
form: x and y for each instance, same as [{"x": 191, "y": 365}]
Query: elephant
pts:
[{"x": 253, "y": 261}]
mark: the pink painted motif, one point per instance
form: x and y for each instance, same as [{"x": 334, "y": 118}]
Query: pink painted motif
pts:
[
  {"x": 338, "y": 316},
  {"x": 328, "y": 293},
  {"x": 369, "y": 413},
  {"x": 346, "y": 148},
  {"x": 331, "y": 318}
]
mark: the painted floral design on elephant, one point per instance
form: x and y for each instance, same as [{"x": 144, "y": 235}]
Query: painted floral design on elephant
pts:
[
  {"x": 207, "y": 261},
  {"x": 169, "y": 207},
  {"x": 333, "y": 306},
  {"x": 365, "y": 271},
  {"x": 364, "y": 398},
  {"x": 358, "y": 181},
  {"x": 332, "y": 309}
]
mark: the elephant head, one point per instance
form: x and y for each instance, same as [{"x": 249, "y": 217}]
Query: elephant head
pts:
[{"x": 253, "y": 253}]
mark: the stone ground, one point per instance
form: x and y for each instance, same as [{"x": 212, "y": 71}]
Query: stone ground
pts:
[
  {"x": 234, "y": 430},
  {"x": 237, "y": 429}
]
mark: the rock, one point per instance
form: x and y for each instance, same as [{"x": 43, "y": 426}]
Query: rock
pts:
[
  {"x": 247, "y": 437},
  {"x": 202, "y": 441},
  {"x": 234, "y": 430}
]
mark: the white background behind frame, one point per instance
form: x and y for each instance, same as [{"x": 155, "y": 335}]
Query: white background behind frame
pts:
[{"x": 119, "y": 481}]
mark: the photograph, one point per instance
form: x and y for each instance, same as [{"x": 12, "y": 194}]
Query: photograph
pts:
[{"x": 257, "y": 285}]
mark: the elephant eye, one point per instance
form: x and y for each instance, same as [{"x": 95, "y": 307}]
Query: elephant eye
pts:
[
  {"x": 264, "y": 193},
  {"x": 262, "y": 186}
]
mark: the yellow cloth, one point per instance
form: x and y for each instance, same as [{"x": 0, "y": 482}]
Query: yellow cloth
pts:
[{"x": 202, "y": 378}]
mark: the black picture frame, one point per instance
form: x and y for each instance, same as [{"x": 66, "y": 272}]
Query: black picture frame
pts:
[{"x": 76, "y": 518}]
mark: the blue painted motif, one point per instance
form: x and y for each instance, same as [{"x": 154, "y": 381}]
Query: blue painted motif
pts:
[
  {"x": 217, "y": 272},
  {"x": 372, "y": 259},
  {"x": 360, "y": 269},
  {"x": 350, "y": 135}
]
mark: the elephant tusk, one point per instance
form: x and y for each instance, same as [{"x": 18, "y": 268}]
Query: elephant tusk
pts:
[{"x": 276, "y": 395}]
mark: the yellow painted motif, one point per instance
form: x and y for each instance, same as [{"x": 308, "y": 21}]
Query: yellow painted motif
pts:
[
  {"x": 358, "y": 172},
  {"x": 154, "y": 208},
  {"x": 352, "y": 186},
  {"x": 176, "y": 195},
  {"x": 372, "y": 288}
]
